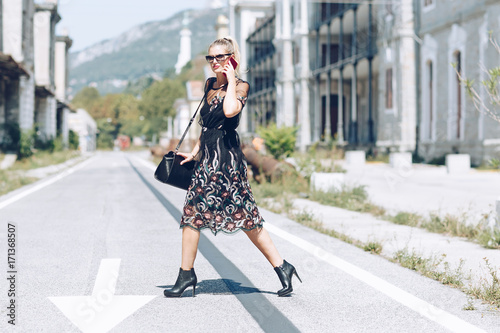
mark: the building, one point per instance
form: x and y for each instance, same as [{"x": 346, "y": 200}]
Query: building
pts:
[
  {"x": 33, "y": 72},
  {"x": 86, "y": 128},
  {"x": 17, "y": 84},
  {"x": 243, "y": 17},
  {"x": 376, "y": 77},
  {"x": 185, "y": 109},
  {"x": 397, "y": 94},
  {"x": 456, "y": 32},
  {"x": 260, "y": 109}
]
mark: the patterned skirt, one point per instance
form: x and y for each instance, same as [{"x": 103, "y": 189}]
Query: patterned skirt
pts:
[{"x": 220, "y": 197}]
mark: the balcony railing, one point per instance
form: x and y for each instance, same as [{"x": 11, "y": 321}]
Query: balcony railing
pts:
[
  {"x": 324, "y": 12},
  {"x": 364, "y": 47}
]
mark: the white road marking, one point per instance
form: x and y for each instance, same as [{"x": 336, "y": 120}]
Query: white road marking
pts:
[
  {"x": 414, "y": 303},
  {"x": 422, "y": 307},
  {"x": 103, "y": 310},
  {"x": 147, "y": 164},
  {"x": 41, "y": 185}
]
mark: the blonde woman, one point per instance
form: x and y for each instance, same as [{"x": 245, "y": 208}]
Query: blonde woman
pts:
[{"x": 219, "y": 197}]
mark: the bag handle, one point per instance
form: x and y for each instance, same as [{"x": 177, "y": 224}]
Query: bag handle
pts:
[{"x": 192, "y": 118}]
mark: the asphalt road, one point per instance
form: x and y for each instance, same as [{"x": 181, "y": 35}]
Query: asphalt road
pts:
[{"x": 96, "y": 246}]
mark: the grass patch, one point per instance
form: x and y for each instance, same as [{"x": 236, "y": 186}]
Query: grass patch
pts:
[
  {"x": 487, "y": 289},
  {"x": 433, "y": 267},
  {"x": 351, "y": 198},
  {"x": 373, "y": 247},
  {"x": 452, "y": 225},
  {"x": 44, "y": 158},
  {"x": 14, "y": 178},
  {"x": 10, "y": 181}
]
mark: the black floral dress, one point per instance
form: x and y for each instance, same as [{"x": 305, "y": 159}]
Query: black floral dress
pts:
[{"x": 219, "y": 197}]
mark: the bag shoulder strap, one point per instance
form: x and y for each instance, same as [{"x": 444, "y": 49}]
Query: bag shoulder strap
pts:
[{"x": 208, "y": 86}]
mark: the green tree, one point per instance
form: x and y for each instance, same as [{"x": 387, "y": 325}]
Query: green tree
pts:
[
  {"x": 157, "y": 104},
  {"x": 86, "y": 98}
]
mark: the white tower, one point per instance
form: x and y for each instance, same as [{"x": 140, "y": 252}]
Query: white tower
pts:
[
  {"x": 185, "y": 50},
  {"x": 222, "y": 26}
]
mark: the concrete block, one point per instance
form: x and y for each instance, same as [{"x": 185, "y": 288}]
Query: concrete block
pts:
[
  {"x": 355, "y": 158},
  {"x": 326, "y": 181},
  {"x": 8, "y": 161},
  {"x": 457, "y": 163},
  {"x": 400, "y": 160}
]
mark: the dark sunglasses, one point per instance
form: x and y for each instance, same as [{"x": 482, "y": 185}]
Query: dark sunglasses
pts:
[{"x": 219, "y": 57}]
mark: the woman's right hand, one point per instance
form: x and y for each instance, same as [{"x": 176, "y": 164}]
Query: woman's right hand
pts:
[{"x": 187, "y": 157}]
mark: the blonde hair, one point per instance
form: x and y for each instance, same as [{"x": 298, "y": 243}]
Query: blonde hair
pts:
[{"x": 231, "y": 46}]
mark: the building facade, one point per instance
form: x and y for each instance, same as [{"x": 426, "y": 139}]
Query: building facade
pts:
[
  {"x": 33, "y": 72},
  {"x": 456, "y": 32},
  {"x": 377, "y": 77}
]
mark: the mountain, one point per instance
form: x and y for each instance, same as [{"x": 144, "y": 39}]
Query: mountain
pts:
[{"x": 145, "y": 50}]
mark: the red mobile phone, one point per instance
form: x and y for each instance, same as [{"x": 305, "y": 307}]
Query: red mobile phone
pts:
[{"x": 233, "y": 62}]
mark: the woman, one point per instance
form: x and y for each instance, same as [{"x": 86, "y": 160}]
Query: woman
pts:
[{"x": 219, "y": 197}]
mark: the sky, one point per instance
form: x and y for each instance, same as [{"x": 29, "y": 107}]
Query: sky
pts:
[{"x": 91, "y": 21}]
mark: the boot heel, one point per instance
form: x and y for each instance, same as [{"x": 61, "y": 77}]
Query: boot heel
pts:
[
  {"x": 194, "y": 288},
  {"x": 297, "y": 275}
]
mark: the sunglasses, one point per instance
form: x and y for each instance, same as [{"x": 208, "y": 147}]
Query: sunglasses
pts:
[{"x": 219, "y": 57}]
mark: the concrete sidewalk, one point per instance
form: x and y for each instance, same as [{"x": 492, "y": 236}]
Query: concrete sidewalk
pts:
[
  {"x": 364, "y": 227},
  {"x": 423, "y": 189}
]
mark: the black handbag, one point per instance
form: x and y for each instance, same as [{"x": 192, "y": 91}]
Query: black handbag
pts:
[{"x": 170, "y": 171}]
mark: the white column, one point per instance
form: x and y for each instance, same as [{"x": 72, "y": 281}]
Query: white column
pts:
[
  {"x": 26, "y": 102},
  {"x": 305, "y": 114},
  {"x": 42, "y": 48},
  {"x": 287, "y": 63},
  {"x": 408, "y": 89},
  {"x": 64, "y": 127},
  {"x": 13, "y": 29}
]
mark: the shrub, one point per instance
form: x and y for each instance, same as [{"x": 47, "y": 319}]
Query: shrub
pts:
[
  {"x": 280, "y": 142},
  {"x": 26, "y": 144},
  {"x": 11, "y": 136},
  {"x": 74, "y": 140}
]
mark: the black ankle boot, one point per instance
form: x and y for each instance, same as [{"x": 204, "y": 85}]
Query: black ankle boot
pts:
[
  {"x": 285, "y": 272},
  {"x": 184, "y": 280}
]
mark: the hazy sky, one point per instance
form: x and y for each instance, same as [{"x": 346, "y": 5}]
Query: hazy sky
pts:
[{"x": 90, "y": 21}]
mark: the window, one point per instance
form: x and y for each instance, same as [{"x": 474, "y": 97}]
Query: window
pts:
[
  {"x": 388, "y": 88},
  {"x": 431, "y": 97},
  {"x": 296, "y": 55},
  {"x": 428, "y": 5},
  {"x": 458, "y": 61},
  {"x": 428, "y": 101}
]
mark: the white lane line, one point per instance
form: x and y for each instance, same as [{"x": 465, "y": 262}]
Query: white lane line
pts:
[
  {"x": 147, "y": 164},
  {"x": 41, "y": 185},
  {"x": 422, "y": 307}
]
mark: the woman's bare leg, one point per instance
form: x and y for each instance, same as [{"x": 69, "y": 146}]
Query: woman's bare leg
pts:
[
  {"x": 260, "y": 237},
  {"x": 190, "y": 239}
]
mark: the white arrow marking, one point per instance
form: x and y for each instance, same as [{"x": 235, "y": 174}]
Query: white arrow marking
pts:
[{"x": 103, "y": 310}]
